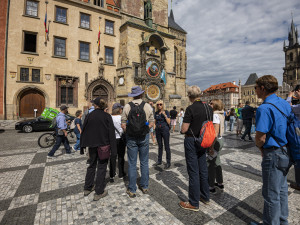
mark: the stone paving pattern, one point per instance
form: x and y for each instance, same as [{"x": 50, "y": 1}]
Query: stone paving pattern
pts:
[{"x": 37, "y": 190}]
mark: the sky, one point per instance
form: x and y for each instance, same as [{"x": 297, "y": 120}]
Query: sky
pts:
[{"x": 230, "y": 39}]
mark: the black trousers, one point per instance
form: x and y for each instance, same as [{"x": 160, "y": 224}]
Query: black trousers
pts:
[
  {"x": 121, "y": 145},
  {"x": 163, "y": 134},
  {"x": 248, "y": 125},
  {"x": 101, "y": 166}
]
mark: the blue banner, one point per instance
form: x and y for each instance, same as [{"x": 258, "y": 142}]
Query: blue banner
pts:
[{"x": 163, "y": 76}]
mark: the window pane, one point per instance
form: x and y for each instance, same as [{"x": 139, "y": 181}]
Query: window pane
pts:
[
  {"x": 35, "y": 75},
  {"x": 60, "y": 47},
  {"x": 61, "y": 15},
  {"x": 63, "y": 96},
  {"x": 84, "y": 51},
  {"x": 29, "y": 42},
  {"x": 109, "y": 55},
  {"x": 84, "y": 20},
  {"x": 31, "y": 8},
  {"x": 24, "y": 76},
  {"x": 70, "y": 95},
  {"x": 109, "y": 27}
]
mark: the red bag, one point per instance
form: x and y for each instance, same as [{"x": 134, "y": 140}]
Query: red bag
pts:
[
  {"x": 207, "y": 132},
  {"x": 104, "y": 152}
]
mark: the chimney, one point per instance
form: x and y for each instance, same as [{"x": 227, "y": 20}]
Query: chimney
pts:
[{"x": 233, "y": 82}]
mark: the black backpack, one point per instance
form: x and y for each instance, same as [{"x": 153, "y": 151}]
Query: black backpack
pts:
[{"x": 136, "y": 125}]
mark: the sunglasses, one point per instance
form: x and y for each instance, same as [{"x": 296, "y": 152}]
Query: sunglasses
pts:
[{"x": 159, "y": 104}]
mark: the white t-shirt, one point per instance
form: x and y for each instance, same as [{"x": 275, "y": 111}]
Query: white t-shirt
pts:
[
  {"x": 216, "y": 119},
  {"x": 117, "y": 123},
  {"x": 181, "y": 114}
]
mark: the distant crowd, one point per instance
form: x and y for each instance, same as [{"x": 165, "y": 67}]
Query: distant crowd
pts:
[{"x": 105, "y": 138}]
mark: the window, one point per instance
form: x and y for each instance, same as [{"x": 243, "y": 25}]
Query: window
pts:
[
  {"x": 29, "y": 74},
  {"x": 109, "y": 55},
  {"x": 67, "y": 89},
  {"x": 109, "y": 27},
  {"x": 84, "y": 49},
  {"x": 291, "y": 57},
  {"x": 84, "y": 20},
  {"x": 61, "y": 15},
  {"x": 31, "y": 8},
  {"x": 29, "y": 42},
  {"x": 60, "y": 47},
  {"x": 136, "y": 71},
  {"x": 98, "y": 3}
]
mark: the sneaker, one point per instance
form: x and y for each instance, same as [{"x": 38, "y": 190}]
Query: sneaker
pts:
[
  {"x": 295, "y": 186},
  {"x": 188, "y": 206},
  {"x": 213, "y": 190},
  {"x": 157, "y": 164},
  {"x": 87, "y": 192},
  {"x": 74, "y": 149},
  {"x": 122, "y": 176},
  {"x": 50, "y": 156},
  {"x": 144, "y": 190},
  {"x": 243, "y": 139},
  {"x": 167, "y": 166},
  {"x": 154, "y": 143},
  {"x": 111, "y": 180},
  {"x": 130, "y": 194},
  {"x": 97, "y": 197},
  {"x": 204, "y": 201},
  {"x": 88, "y": 162},
  {"x": 251, "y": 140},
  {"x": 220, "y": 186}
]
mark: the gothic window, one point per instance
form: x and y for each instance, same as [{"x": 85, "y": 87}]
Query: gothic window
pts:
[
  {"x": 175, "y": 60},
  {"x": 291, "y": 57},
  {"x": 66, "y": 91}
]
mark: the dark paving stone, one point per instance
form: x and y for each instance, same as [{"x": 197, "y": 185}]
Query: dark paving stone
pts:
[
  {"x": 166, "y": 198},
  {"x": 63, "y": 192},
  {"x": 14, "y": 169},
  {"x": 31, "y": 182},
  {"x": 4, "y": 204},
  {"x": 66, "y": 161},
  {"x": 40, "y": 157},
  {"x": 22, "y": 215},
  {"x": 16, "y": 154}
]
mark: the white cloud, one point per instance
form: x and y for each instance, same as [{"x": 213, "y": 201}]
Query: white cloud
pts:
[{"x": 229, "y": 39}]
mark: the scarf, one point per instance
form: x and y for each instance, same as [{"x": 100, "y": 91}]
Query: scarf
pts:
[{"x": 221, "y": 115}]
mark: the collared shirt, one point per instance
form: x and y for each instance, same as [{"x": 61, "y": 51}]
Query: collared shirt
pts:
[
  {"x": 61, "y": 121},
  {"x": 147, "y": 108},
  {"x": 248, "y": 112},
  {"x": 91, "y": 109},
  {"x": 295, "y": 108},
  {"x": 269, "y": 119},
  {"x": 160, "y": 120}
]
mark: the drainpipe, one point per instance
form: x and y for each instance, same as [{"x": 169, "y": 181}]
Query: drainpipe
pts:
[{"x": 5, "y": 59}]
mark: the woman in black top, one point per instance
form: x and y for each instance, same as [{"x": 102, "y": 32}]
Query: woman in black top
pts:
[
  {"x": 98, "y": 130},
  {"x": 162, "y": 130},
  {"x": 194, "y": 116}
]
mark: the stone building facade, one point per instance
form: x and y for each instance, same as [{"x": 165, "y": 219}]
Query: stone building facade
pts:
[
  {"x": 291, "y": 74},
  {"x": 69, "y": 61},
  {"x": 248, "y": 91},
  {"x": 227, "y": 92}
]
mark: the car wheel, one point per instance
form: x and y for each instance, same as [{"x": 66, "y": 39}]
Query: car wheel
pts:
[{"x": 27, "y": 129}]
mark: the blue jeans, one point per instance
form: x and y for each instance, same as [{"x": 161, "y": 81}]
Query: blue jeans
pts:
[
  {"x": 60, "y": 139},
  {"x": 232, "y": 119},
  {"x": 275, "y": 188},
  {"x": 225, "y": 125},
  {"x": 137, "y": 146},
  {"x": 77, "y": 145},
  {"x": 198, "y": 172}
]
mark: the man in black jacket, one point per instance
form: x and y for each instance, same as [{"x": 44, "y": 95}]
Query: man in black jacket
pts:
[{"x": 248, "y": 114}]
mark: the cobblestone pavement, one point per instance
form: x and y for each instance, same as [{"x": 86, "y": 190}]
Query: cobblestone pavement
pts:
[{"x": 37, "y": 190}]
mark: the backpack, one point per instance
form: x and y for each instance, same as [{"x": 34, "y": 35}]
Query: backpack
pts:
[
  {"x": 53, "y": 123},
  {"x": 207, "y": 133},
  {"x": 136, "y": 124},
  {"x": 72, "y": 126},
  {"x": 292, "y": 134}
]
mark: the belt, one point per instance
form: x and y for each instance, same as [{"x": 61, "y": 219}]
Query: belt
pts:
[
  {"x": 188, "y": 135},
  {"x": 273, "y": 148}
]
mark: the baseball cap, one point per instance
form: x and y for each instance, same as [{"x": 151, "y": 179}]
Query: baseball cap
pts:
[
  {"x": 63, "y": 107},
  {"x": 117, "y": 105}
]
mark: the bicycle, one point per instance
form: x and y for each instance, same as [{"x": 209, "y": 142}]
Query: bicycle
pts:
[{"x": 47, "y": 140}]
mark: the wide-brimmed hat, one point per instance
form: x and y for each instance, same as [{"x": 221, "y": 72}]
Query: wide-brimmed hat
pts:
[
  {"x": 136, "y": 91},
  {"x": 117, "y": 105}
]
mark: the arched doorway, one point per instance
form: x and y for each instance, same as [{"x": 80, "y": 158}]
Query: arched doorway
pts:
[
  {"x": 29, "y": 101},
  {"x": 100, "y": 91}
]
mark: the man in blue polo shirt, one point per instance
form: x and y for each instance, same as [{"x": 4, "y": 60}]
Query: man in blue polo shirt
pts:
[
  {"x": 61, "y": 132},
  {"x": 271, "y": 128}
]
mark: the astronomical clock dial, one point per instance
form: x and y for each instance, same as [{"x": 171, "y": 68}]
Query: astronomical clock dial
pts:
[
  {"x": 153, "y": 69},
  {"x": 153, "y": 92}
]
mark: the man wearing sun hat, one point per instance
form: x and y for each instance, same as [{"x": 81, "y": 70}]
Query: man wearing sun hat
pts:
[{"x": 137, "y": 118}]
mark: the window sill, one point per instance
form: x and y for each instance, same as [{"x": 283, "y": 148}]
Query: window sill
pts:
[
  {"x": 69, "y": 106},
  {"x": 30, "y": 53},
  {"x": 106, "y": 64},
  {"x": 110, "y": 34},
  {"x": 61, "y": 23},
  {"x": 82, "y": 60},
  {"x": 59, "y": 57},
  {"x": 84, "y": 28},
  {"x": 31, "y": 82},
  {"x": 33, "y": 17}
]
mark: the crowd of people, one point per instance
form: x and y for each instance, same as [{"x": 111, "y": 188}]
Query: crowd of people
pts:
[{"x": 132, "y": 125}]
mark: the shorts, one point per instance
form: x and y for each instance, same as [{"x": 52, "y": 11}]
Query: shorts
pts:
[
  {"x": 239, "y": 124},
  {"x": 173, "y": 122},
  {"x": 151, "y": 130}
]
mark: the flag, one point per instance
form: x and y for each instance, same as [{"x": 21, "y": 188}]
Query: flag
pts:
[
  {"x": 45, "y": 24},
  {"x": 99, "y": 39},
  {"x": 163, "y": 76}
]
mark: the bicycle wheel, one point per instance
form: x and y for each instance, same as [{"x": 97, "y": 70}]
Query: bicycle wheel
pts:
[
  {"x": 46, "y": 140},
  {"x": 71, "y": 137}
]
